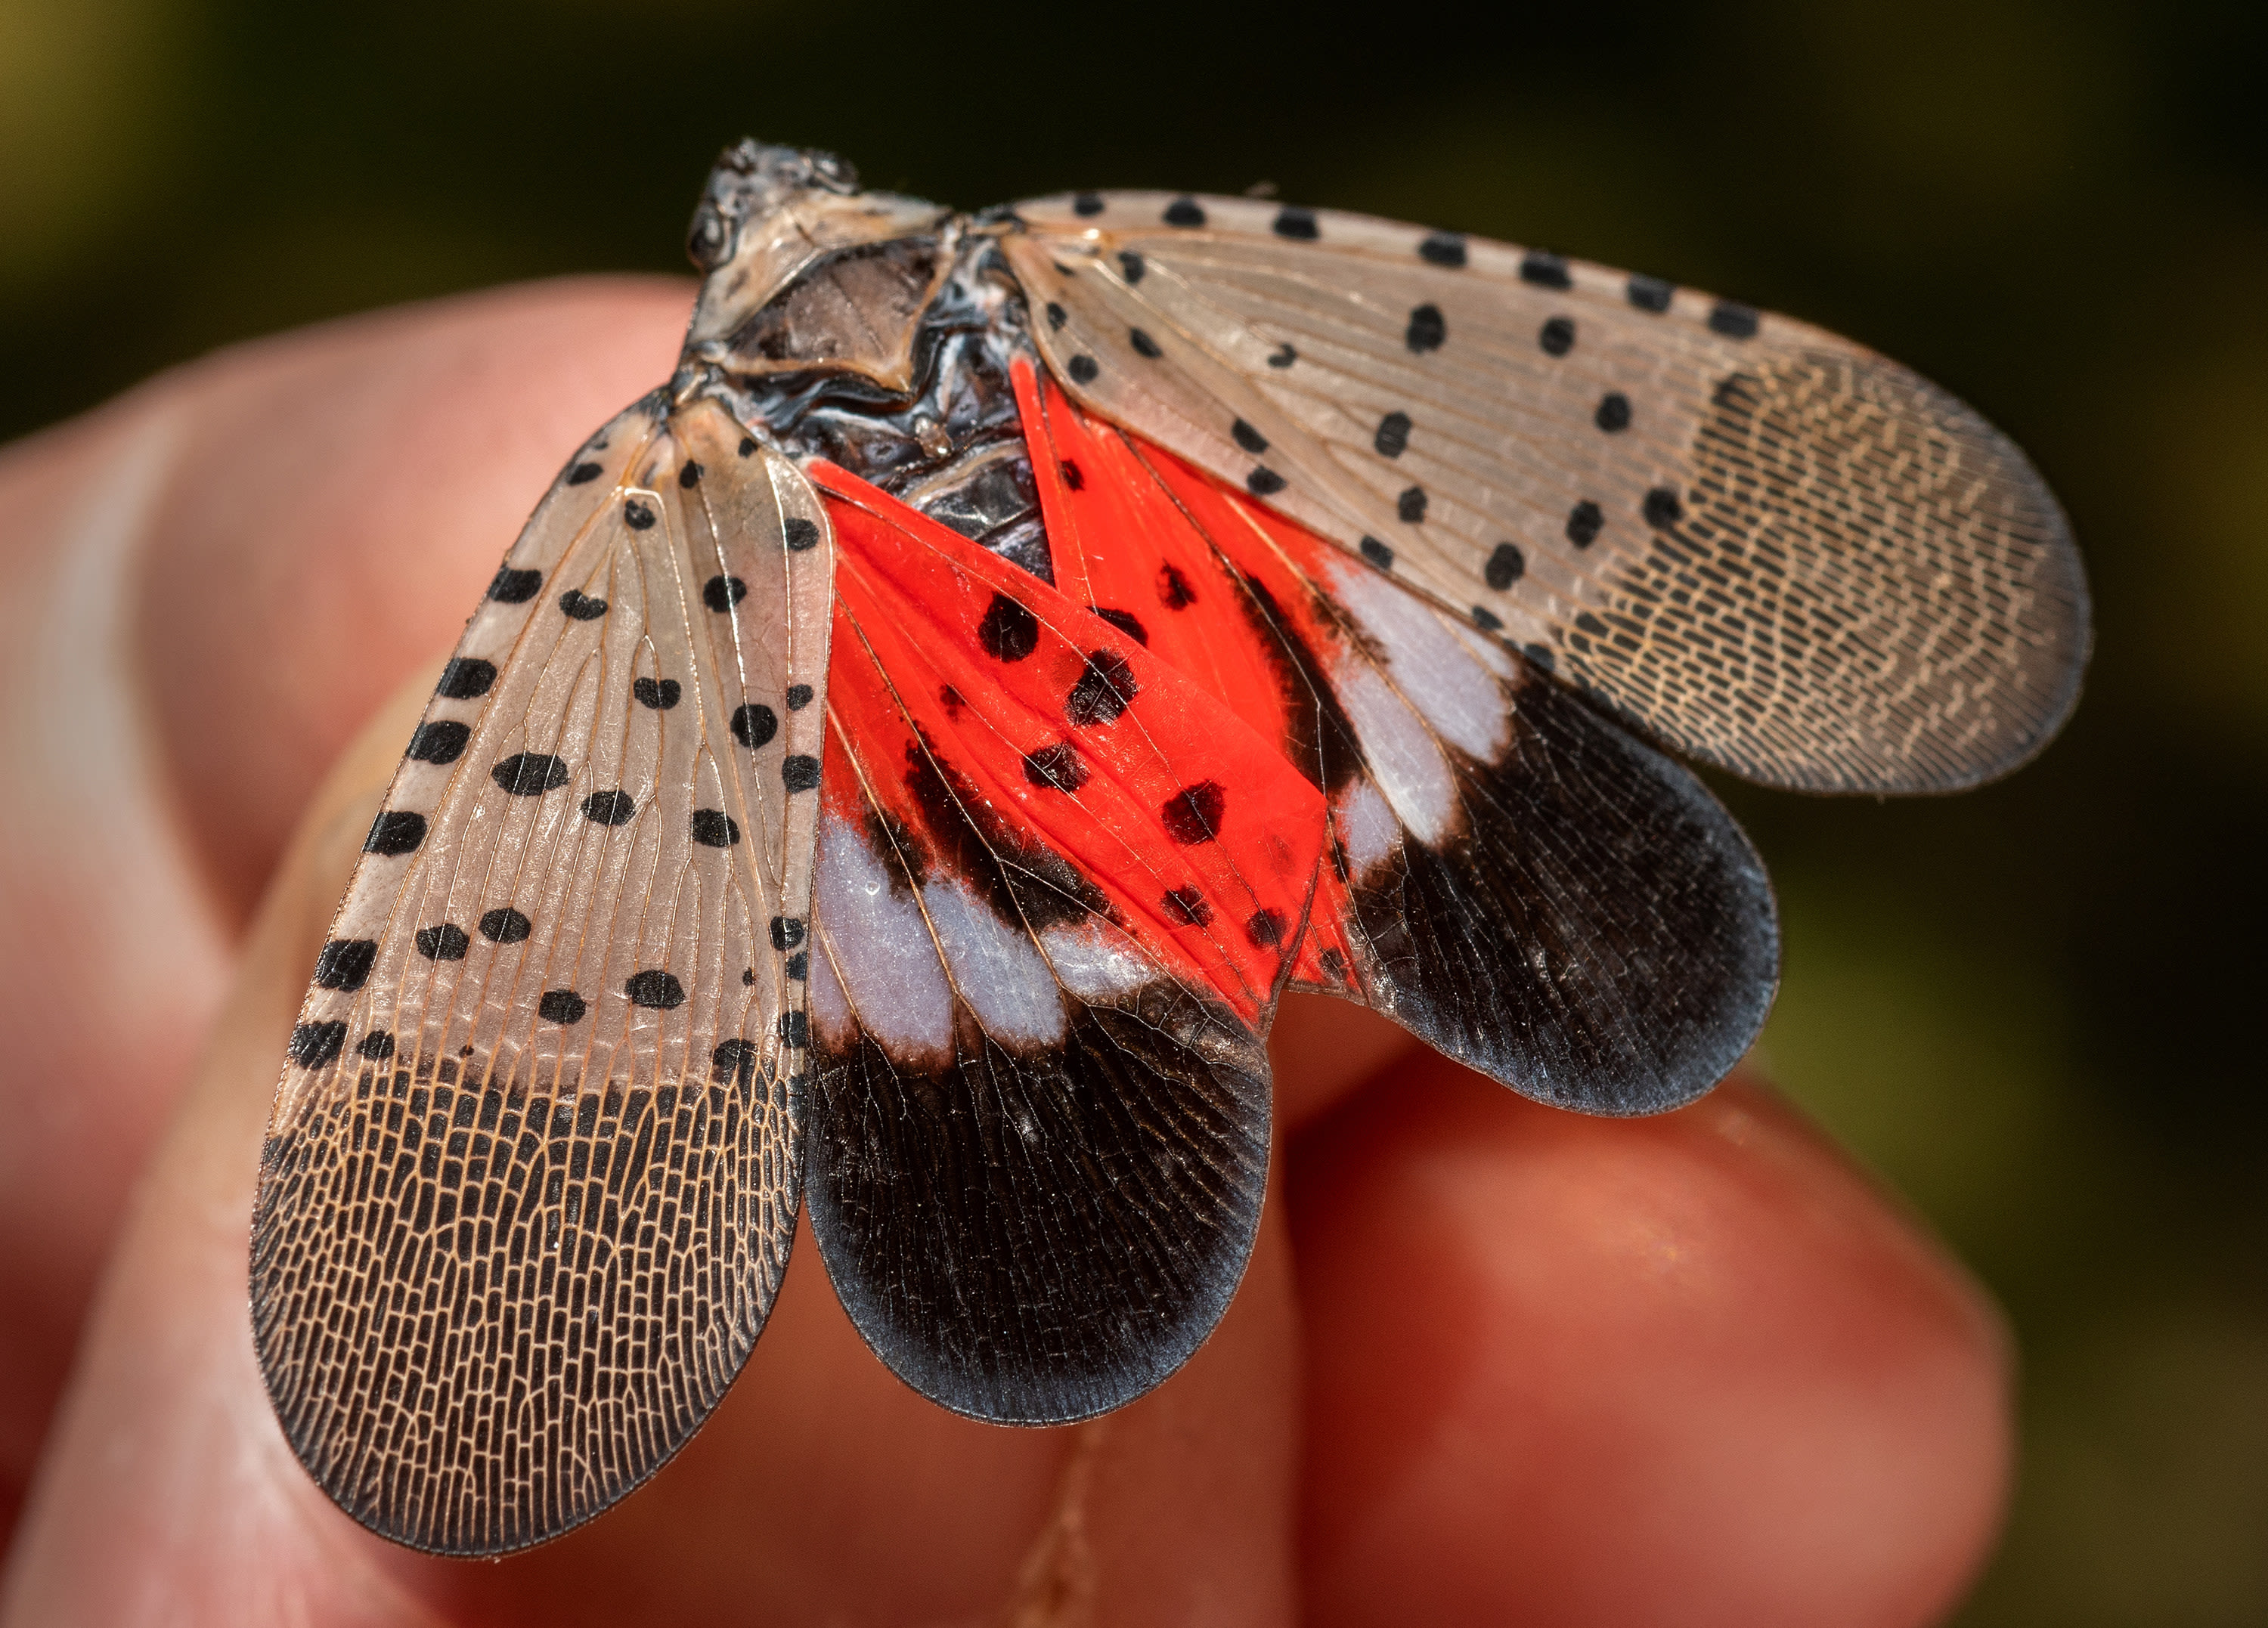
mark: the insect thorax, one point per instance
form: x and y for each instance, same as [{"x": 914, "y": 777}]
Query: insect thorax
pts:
[{"x": 951, "y": 445}]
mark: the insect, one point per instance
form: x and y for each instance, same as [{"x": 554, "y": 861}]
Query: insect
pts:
[{"x": 904, "y": 757}]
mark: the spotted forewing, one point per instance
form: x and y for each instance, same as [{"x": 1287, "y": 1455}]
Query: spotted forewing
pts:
[
  {"x": 531, "y": 1180},
  {"x": 1767, "y": 546}
]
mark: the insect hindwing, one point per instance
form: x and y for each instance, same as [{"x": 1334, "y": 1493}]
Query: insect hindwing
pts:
[
  {"x": 1059, "y": 887},
  {"x": 1775, "y": 550},
  {"x": 1512, "y": 877},
  {"x": 532, "y": 1174}
]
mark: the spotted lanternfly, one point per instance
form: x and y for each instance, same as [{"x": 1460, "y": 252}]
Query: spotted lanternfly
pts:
[{"x": 912, "y": 750}]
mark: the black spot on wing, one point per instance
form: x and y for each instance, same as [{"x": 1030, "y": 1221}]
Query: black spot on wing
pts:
[
  {"x": 530, "y": 774},
  {"x": 754, "y": 724},
  {"x": 1194, "y": 814},
  {"x": 1008, "y": 631},
  {"x": 1443, "y": 248},
  {"x": 443, "y": 941},
  {"x": 395, "y": 830},
  {"x": 442, "y": 741},
  {"x": 1544, "y": 270},
  {"x": 561, "y": 1005},
  {"x": 1506, "y": 565},
  {"x": 1731, "y": 320},
  {"x": 465, "y": 678},
  {"x": 660, "y": 694},
  {"x": 1648, "y": 293},
  {"x": 1187, "y": 906},
  {"x": 579, "y": 606},
  {"x": 1427, "y": 329},
  {"x": 654, "y": 988},
  {"x": 713, "y": 828},
  {"x": 345, "y": 963},
  {"x": 1296, "y": 224},
  {"x": 1103, "y": 693},
  {"x": 1056, "y": 768},
  {"x": 505, "y": 926},
  {"x": 511, "y": 587},
  {"x": 609, "y": 808}
]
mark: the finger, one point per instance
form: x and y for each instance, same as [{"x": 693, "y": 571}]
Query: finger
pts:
[
  {"x": 822, "y": 1489},
  {"x": 215, "y": 581},
  {"x": 1690, "y": 1370}
]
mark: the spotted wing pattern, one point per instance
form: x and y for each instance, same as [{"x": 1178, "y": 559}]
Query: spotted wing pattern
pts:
[
  {"x": 532, "y": 1174},
  {"x": 1058, "y": 890},
  {"x": 1771, "y": 549},
  {"x": 1512, "y": 877}
]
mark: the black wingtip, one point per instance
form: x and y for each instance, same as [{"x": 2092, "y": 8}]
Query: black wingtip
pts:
[
  {"x": 1038, "y": 1239},
  {"x": 1601, "y": 936}
]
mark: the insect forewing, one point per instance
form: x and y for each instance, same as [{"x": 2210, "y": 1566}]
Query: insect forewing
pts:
[
  {"x": 531, "y": 1178},
  {"x": 1770, "y": 549}
]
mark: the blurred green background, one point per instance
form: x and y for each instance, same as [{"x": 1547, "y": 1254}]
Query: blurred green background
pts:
[{"x": 2024, "y": 1007}]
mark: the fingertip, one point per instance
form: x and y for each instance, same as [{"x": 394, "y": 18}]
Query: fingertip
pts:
[
  {"x": 331, "y": 502},
  {"x": 1693, "y": 1368}
]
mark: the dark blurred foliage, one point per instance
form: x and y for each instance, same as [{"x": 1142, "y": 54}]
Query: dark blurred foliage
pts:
[{"x": 2025, "y": 1006}]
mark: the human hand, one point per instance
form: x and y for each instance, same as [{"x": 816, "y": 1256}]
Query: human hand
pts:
[{"x": 1490, "y": 1362}]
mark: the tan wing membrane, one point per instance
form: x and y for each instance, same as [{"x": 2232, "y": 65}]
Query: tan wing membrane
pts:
[
  {"x": 1776, "y": 551},
  {"x": 532, "y": 1175}
]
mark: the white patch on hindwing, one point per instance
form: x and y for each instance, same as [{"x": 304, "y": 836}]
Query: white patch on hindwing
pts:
[
  {"x": 1096, "y": 962},
  {"x": 880, "y": 947},
  {"x": 994, "y": 967},
  {"x": 1437, "y": 672}
]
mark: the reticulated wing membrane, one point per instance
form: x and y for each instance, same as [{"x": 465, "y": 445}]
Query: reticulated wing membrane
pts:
[
  {"x": 1776, "y": 551},
  {"x": 1512, "y": 877},
  {"x": 1058, "y": 888},
  {"x": 531, "y": 1178}
]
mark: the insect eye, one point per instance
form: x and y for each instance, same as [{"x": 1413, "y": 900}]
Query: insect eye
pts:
[
  {"x": 833, "y": 173},
  {"x": 710, "y": 241}
]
